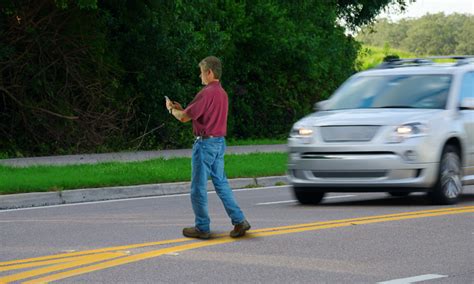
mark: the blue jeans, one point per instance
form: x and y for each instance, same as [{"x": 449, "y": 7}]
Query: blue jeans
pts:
[{"x": 208, "y": 160}]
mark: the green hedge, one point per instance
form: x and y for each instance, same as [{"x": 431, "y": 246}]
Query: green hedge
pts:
[{"x": 93, "y": 79}]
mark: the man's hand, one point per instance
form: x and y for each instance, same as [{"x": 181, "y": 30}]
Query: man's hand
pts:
[
  {"x": 176, "y": 110},
  {"x": 177, "y": 106},
  {"x": 173, "y": 105},
  {"x": 169, "y": 104}
]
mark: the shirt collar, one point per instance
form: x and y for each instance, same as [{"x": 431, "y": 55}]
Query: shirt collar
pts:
[{"x": 213, "y": 83}]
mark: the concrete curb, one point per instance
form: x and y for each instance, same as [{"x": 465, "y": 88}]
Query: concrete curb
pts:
[{"x": 23, "y": 200}]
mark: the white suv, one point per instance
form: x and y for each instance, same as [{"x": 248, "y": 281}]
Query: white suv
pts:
[{"x": 405, "y": 126}]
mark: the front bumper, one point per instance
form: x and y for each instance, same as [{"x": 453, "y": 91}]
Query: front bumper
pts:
[{"x": 361, "y": 167}]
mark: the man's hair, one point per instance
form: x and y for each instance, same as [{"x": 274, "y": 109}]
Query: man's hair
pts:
[{"x": 212, "y": 63}]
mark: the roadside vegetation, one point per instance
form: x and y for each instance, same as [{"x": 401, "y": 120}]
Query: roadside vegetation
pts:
[
  {"x": 54, "y": 178},
  {"x": 68, "y": 88},
  {"x": 371, "y": 56},
  {"x": 434, "y": 34}
]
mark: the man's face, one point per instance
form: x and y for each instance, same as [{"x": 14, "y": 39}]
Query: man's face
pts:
[{"x": 205, "y": 76}]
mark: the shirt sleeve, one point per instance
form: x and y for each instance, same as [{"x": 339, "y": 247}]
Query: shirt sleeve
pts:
[{"x": 197, "y": 107}]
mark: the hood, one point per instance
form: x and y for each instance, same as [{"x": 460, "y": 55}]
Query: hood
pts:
[{"x": 369, "y": 117}]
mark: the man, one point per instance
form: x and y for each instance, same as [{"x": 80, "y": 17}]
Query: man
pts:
[{"x": 208, "y": 112}]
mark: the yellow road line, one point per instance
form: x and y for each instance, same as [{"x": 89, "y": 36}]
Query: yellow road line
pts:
[
  {"x": 351, "y": 222},
  {"x": 359, "y": 219},
  {"x": 165, "y": 242},
  {"x": 40, "y": 263},
  {"x": 256, "y": 234},
  {"x": 86, "y": 252},
  {"x": 129, "y": 259},
  {"x": 82, "y": 261}
]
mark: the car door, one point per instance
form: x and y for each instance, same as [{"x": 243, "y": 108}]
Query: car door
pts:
[{"x": 467, "y": 96}]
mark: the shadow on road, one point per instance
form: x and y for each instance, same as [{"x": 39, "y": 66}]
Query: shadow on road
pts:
[{"x": 411, "y": 200}]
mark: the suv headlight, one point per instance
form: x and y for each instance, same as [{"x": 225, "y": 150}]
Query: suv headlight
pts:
[
  {"x": 409, "y": 130},
  {"x": 301, "y": 131}
]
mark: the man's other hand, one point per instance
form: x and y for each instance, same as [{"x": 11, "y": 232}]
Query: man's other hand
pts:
[
  {"x": 177, "y": 105},
  {"x": 169, "y": 104}
]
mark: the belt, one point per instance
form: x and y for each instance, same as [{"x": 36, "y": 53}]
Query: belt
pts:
[{"x": 204, "y": 137}]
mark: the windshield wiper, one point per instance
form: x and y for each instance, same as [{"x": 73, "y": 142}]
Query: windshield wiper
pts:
[{"x": 396, "y": 107}]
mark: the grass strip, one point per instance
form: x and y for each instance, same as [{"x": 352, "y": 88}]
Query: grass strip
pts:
[
  {"x": 249, "y": 142},
  {"x": 54, "y": 178}
]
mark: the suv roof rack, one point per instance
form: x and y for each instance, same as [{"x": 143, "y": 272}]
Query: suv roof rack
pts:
[
  {"x": 403, "y": 62},
  {"x": 460, "y": 59},
  {"x": 407, "y": 62}
]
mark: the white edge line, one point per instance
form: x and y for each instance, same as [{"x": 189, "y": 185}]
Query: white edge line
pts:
[
  {"x": 127, "y": 199},
  {"x": 414, "y": 279},
  {"x": 290, "y": 201},
  {"x": 339, "y": 196},
  {"x": 276, "y": 202}
]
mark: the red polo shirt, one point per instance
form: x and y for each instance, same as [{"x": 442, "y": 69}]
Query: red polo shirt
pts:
[{"x": 208, "y": 111}]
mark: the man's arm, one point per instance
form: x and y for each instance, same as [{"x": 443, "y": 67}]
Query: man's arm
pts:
[
  {"x": 180, "y": 115},
  {"x": 177, "y": 111}
]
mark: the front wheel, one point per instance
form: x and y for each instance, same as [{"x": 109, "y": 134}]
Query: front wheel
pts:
[
  {"x": 449, "y": 185},
  {"x": 307, "y": 195}
]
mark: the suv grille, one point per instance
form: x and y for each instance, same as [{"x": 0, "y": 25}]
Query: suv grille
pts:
[
  {"x": 349, "y": 174},
  {"x": 359, "y": 133}
]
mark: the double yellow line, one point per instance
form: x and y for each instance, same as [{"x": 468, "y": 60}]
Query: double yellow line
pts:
[{"x": 94, "y": 260}]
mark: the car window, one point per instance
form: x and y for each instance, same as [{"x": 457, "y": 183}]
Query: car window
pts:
[
  {"x": 467, "y": 86},
  {"x": 396, "y": 91}
]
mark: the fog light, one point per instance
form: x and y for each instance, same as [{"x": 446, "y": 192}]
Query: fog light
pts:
[{"x": 410, "y": 155}]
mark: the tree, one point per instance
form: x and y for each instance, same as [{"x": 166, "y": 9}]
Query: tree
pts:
[
  {"x": 432, "y": 34},
  {"x": 88, "y": 75},
  {"x": 57, "y": 82},
  {"x": 465, "y": 37},
  {"x": 359, "y": 13}
]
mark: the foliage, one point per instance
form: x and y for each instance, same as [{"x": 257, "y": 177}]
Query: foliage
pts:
[
  {"x": 88, "y": 75},
  {"x": 436, "y": 34},
  {"x": 362, "y": 12},
  {"x": 371, "y": 56},
  {"x": 276, "y": 62},
  {"x": 57, "y": 80}
]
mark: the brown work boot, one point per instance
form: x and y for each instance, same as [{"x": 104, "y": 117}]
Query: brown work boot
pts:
[
  {"x": 194, "y": 232},
  {"x": 240, "y": 229}
]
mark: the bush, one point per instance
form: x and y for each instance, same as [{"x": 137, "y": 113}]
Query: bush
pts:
[
  {"x": 93, "y": 79},
  {"x": 278, "y": 60}
]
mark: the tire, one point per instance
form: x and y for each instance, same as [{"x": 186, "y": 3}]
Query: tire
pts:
[
  {"x": 398, "y": 194},
  {"x": 448, "y": 188},
  {"x": 307, "y": 195}
]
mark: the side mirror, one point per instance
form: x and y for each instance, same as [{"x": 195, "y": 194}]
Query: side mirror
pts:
[
  {"x": 320, "y": 105},
  {"x": 467, "y": 103}
]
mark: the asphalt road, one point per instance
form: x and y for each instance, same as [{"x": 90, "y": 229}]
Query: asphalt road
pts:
[{"x": 350, "y": 238}]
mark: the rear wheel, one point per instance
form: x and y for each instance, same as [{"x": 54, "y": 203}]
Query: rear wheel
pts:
[
  {"x": 449, "y": 185},
  {"x": 399, "y": 194},
  {"x": 307, "y": 195}
]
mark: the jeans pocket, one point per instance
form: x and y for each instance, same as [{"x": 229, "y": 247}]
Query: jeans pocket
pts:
[{"x": 211, "y": 150}]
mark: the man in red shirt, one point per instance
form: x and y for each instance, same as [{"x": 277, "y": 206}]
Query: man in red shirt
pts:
[{"x": 208, "y": 112}]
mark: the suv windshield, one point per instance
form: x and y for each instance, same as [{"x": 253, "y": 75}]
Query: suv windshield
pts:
[{"x": 396, "y": 91}]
